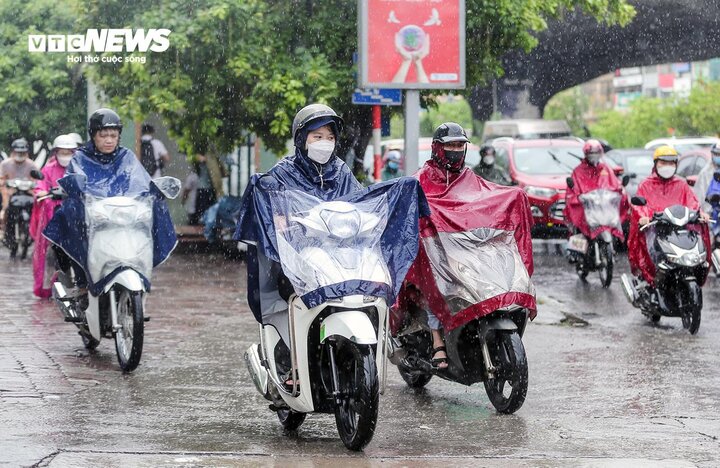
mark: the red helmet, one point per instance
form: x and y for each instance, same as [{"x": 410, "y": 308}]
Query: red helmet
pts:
[{"x": 593, "y": 146}]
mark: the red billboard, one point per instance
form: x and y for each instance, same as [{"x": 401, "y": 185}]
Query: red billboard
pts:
[{"x": 412, "y": 44}]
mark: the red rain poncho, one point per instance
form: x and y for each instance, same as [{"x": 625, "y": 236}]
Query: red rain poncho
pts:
[
  {"x": 589, "y": 178},
  {"x": 660, "y": 193},
  {"x": 41, "y": 214},
  {"x": 475, "y": 250}
]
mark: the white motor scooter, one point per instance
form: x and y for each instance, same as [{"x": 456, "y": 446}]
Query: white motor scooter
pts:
[
  {"x": 120, "y": 245},
  {"x": 333, "y": 346}
]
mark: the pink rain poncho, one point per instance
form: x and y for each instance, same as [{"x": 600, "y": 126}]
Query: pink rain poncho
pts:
[
  {"x": 599, "y": 180},
  {"x": 42, "y": 213},
  {"x": 475, "y": 249},
  {"x": 660, "y": 194}
]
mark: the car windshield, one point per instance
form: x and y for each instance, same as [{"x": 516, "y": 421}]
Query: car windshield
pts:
[
  {"x": 691, "y": 147},
  {"x": 641, "y": 164},
  {"x": 547, "y": 160}
]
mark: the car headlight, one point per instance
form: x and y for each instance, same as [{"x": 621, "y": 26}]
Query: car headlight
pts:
[{"x": 543, "y": 192}]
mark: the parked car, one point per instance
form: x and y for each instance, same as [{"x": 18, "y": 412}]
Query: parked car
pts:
[
  {"x": 684, "y": 144},
  {"x": 525, "y": 129},
  {"x": 540, "y": 167},
  {"x": 691, "y": 163},
  {"x": 633, "y": 161}
]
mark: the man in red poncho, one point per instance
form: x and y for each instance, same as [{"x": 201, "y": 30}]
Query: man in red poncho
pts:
[
  {"x": 661, "y": 190},
  {"x": 475, "y": 252},
  {"x": 593, "y": 174}
]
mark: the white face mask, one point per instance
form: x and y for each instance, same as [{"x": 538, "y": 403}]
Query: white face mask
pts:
[
  {"x": 594, "y": 159},
  {"x": 666, "y": 172},
  {"x": 63, "y": 160},
  {"x": 488, "y": 160},
  {"x": 19, "y": 159},
  {"x": 321, "y": 151}
]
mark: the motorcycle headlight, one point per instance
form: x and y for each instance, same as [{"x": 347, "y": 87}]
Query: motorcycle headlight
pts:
[
  {"x": 342, "y": 224},
  {"x": 543, "y": 192},
  {"x": 689, "y": 259}
]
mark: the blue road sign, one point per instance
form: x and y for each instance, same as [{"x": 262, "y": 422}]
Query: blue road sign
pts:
[{"x": 383, "y": 97}]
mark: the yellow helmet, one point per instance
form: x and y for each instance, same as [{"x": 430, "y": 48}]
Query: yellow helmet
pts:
[{"x": 665, "y": 153}]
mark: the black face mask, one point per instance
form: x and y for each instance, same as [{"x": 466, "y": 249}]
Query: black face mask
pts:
[{"x": 455, "y": 158}]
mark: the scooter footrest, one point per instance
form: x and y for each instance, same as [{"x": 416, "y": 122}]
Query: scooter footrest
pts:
[{"x": 74, "y": 319}]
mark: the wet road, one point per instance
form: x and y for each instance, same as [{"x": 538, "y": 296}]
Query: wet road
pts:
[{"x": 606, "y": 387}]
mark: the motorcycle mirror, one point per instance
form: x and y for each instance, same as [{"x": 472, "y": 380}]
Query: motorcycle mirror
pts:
[
  {"x": 625, "y": 180},
  {"x": 37, "y": 175},
  {"x": 168, "y": 186},
  {"x": 632, "y": 175},
  {"x": 570, "y": 182},
  {"x": 714, "y": 198},
  {"x": 638, "y": 201}
]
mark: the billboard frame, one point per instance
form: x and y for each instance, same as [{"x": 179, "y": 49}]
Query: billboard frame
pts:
[{"x": 364, "y": 59}]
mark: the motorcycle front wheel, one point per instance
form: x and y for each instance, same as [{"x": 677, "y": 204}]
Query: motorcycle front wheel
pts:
[
  {"x": 129, "y": 338},
  {"x": 605, "y": 270},
  {"x": 691, "y": 307},
  {"x": 23, "y": 240},
  {"x": 508, "y": 388},
  {"x": 356, "y": 415}
]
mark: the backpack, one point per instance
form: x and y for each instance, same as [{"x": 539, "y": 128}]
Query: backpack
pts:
[{"x": 147, "y": 157}]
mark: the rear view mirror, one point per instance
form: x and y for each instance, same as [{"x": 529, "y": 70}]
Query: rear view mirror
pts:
[
  {"x": 638, "y": 201},
  {"x": 37, "y": 175},
  {"x": 570, "y": 182},
  {"x": 625, "y": 180},
  {"x": 168, "y": 186}
]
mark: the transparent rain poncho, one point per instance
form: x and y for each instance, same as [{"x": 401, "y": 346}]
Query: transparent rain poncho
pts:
[
  {"x": 119, "y": 233},
  {"x": 602, "y": 208},
  {"x": 473, "y": 266},
  {"x": 323, "y": 243}
]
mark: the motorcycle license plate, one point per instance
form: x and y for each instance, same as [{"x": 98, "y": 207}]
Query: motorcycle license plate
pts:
[{"x": 578, "y": 243}]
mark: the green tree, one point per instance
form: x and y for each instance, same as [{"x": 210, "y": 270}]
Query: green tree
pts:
[
  {"x": 647, "y": 119},
  {"x": 447, "y": 109},
  {"x": 253, "y": 64},
  {"x": 569, "y": 105},
  {"x": 42, "y": 95}
]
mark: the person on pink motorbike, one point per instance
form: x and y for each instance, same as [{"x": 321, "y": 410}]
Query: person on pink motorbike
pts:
[
  {"x": 595, "y": 208},
  {"x": 43, "y": 257}
]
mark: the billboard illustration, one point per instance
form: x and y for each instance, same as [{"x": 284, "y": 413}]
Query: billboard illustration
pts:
[{"x": 412, "y": 44}]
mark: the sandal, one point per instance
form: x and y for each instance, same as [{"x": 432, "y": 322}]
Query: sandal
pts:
[{"x": 436, "y": 362}]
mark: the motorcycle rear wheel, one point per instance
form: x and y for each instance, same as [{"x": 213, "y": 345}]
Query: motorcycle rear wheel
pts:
[
  {"x": 129, "y": 338},
  {"x": 88, "y": 340},
  {"x": 605, "y": 271},
  {"x": 290, "y": 419},
  {"x": 356, "y": 415},
  {"x": 414, "y": 380},
  {"x": 508, "y": 355}
]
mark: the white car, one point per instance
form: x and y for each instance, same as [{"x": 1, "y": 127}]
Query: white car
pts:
[{"x": 684, "y": 144}]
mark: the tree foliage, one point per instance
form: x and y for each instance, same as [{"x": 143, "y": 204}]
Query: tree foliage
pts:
[
  {"x": 244, "y": 65},
  {"x": 650, "y": 118},
  {"x": 42, "y": 95},
  {"x": 569, "y": 105}
]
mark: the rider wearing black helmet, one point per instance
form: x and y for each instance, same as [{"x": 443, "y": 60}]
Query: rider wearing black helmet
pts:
[
  {"x": 488, "y": 170},
  {"x": 449, "y": 147},
  {"x": 115, "y": 161}
]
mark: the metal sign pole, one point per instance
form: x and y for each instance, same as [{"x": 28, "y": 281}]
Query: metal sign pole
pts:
[
  {"x": 412, "y": 130},
  {"x": 377, "y": 123}
]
